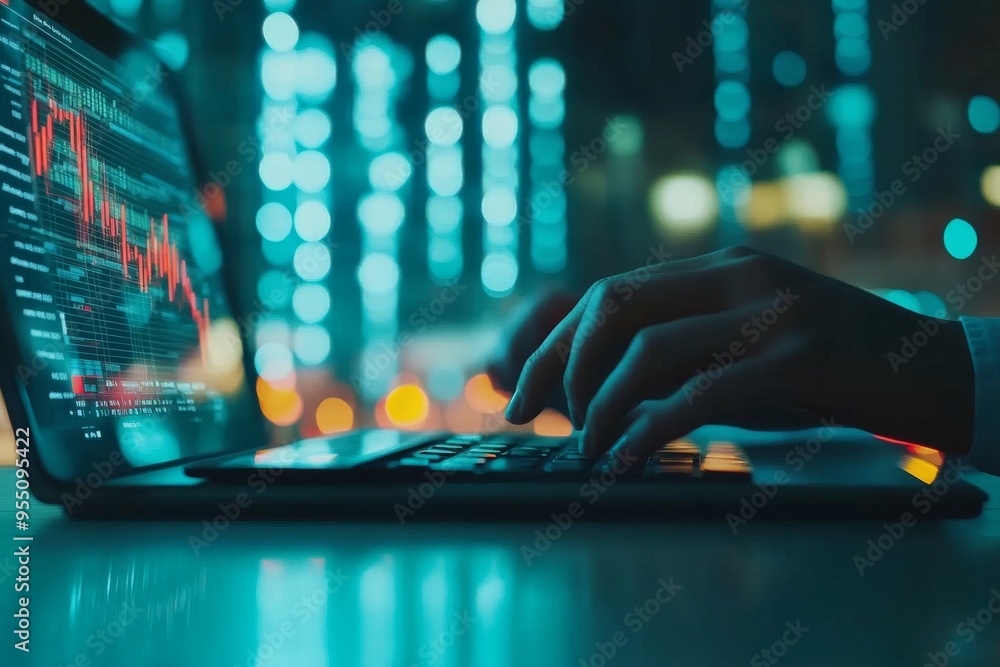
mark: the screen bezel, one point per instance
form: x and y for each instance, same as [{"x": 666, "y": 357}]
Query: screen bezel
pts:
[{"x": 110, "y": 39}]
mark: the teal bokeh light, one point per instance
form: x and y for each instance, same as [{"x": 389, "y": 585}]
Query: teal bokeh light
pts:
[
  {"x": 960, "y": 239},
  {"x": 789, "y": 68},
  {"x": 984, "y": 114}
]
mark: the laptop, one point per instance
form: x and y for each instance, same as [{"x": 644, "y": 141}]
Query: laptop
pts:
[{"x": 132, "y": 393}]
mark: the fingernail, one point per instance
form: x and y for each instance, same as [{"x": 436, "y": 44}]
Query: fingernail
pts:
[
  {"x": 513, "y": 412},
  {"x": 619, "y": 446},
  {"x": 575, "y": 420},
  {"x": 585, "y": 444}
]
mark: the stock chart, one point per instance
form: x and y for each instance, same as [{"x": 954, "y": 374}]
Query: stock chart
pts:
[{"x": 94, "y": 180}]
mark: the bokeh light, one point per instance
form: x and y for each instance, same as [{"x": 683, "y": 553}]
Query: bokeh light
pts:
[
  {"x": 989, "y": 184},
  {"x": 274, "y": 221},
  {"x": 443, "y": 54},
  {"x": 684, "y": 202},
  {"x": 481, "y": 395},
  {"x": 496, "y": 17},
  {"x": 984, "y": 114},
  {"x": 281, "y": 32},
  {"x": 960, "y": 239},
  {"x": 789, "y": 68},
  {"x": 552, "y": 423},
  {"x": 281, "y": 406},
  {"x": 407, "y": 406},
  {"x": 334, "y": 415}
]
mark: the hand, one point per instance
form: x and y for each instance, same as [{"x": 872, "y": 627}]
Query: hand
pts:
[
  {"x": 647, "y": 356},
  {"x": 528, "y": 329}
]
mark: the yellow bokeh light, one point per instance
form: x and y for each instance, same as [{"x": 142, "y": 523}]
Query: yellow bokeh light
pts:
[
  {"x": 815, "y": 198},
  {"x": 334, "y": 415},
  {"x": 766, "y": 206},
  {"x": 552, "y": 423},
  {"x": 282, "y": 406},
  {"x": 481, "y": 395},
  {"x": 222, "y": 367},
  {"x": 990, "y": 185},
  {"x": 407, "y": 406}
]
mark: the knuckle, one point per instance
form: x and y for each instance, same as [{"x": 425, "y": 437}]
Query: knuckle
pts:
[
  {"x": 596, "y": 287},
  {"x": 644, "y": 343},
  {"x": 738, "y": 251},
  {"x": 602, "y": 291}
]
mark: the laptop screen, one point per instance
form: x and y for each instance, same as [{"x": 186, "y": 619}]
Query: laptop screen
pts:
[{"x": 110, "y": 272}]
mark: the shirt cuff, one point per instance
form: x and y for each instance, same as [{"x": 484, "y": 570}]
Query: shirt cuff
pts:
[{"x": 983, "y": 334}]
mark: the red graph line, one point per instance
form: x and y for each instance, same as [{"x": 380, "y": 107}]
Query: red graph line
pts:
[{"x": 157, "y": 259}]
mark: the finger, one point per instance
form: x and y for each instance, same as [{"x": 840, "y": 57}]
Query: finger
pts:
[
  {"x": 534, "y": 321},
  {"x": 658, "y": 361},
  {"x": 543, "y": 366},
  {"x": 500, "y": 375},
  {"x": 628, "y": 304},
  {"x": 545, "y": 369},
  {"x": 761, "y": 379}
]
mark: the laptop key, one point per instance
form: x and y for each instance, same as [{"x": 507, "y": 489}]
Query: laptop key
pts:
[
  {"x": 504, "y": 464},
  {"x": 525, "y": 452},
  {"x": 413, "y": 462},
  {"x": 568, "y": 466},
  {"x": 675, "y": 469},
  {"x": 449, "y": 447}
]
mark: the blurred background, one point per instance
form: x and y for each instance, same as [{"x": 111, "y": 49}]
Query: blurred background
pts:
[{"x": 397, "y": 177}]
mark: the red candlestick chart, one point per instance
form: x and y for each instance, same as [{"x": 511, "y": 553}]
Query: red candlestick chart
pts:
[{"x": 106, "y": 217}]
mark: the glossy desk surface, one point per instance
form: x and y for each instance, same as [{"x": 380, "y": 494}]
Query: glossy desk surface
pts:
[{"x": 311, "y": 594}]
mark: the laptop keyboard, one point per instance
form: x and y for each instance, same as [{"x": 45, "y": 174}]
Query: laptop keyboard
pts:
[{"x": 675, "y": 461}]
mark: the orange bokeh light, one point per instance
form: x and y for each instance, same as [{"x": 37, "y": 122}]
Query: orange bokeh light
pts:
[
  {"x": 481, "y": 395},
  {"x": 282, "y": 406},
  {"x": 552, "y": 423},
  {"x": 334, "y": 415}
]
